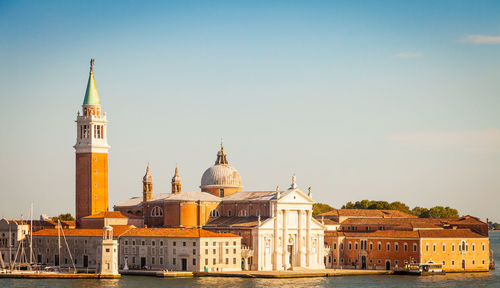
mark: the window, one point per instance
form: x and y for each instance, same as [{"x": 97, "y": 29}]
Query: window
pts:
[
  {"x": 227, "y": 261},
  {"x": 234, "y": 260},
  {"x": 483, "y": 262},
  {"x": 214, "y": 213},
  {"x": 426, "y": 247},
  {"x": 452, "y": 247},
  {"x": 153, "y": 243},
  {"x": 444, "y": 262},
  {"x": 371, "y": 246},
  {"x": 161, "y": 243},
  {"x": 174, "y": 251},
  {"x": 473, "y": 247},
  {"x": 206, "y": 243},
  {"x": 350, "y": 246},
  {"x": 388, "y": 246},
  {"x": 221, "y": 193},
  {"x": 234, "y": 251},
  {"x": 194, "y": 244},
  {"x": 234, "y": 243},
  {"x": 156, "y": 212},
  {"x": 107, "y": 250},
  {"x": 206, "y": 261},
  {"x": 184, "y": 244},
  {"x": 356, "y": 246},
  {"x": 214, "y": 244},
  {"x": 227, "y": 251},
  {"x": 214, "y": 261},
  {"x": 213, "y": 251},
  {"x": 126, "y": 242},
  {"x": 379, "y": 246},
  {"x": 206, "y": 251},
  {"x": 143, "y": 243},
  {"x": 152, "y": 260},
  {"x": 133, "y": 242},
  {"x": 194, "y": 251},
  {"x": 433, "y": 247},
  {"x": 482, "y": 247},
  {"x": 396, "y": 247},
  {"x": 243, "y": 213},
  {"x": 194, "y": 261},
  {"x": 175, "y": 243},
  {"x": 334, "y": 245},
  {"x": 444, "y": 247},
  {"x": 406, "y": 247},
  {"x": 161, "y": 260},
  {"x": 173, "y": 261},
  {"x": 452, "y": 262},
  {"x": 473, "y": 262}
]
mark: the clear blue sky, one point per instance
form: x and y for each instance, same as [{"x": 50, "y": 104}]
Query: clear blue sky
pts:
[{"x": 382, "y": 100}]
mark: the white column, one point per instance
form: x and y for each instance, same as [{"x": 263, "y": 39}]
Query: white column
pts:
[
  {"x": 284, "y": 245},
  {"x": 275, "y": 252},
  {"x": 299, "y": 240},
  {"x": 308, "y": 236}
]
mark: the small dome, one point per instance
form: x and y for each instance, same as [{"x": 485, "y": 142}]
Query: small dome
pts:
[{"x": 221, "y": 175}]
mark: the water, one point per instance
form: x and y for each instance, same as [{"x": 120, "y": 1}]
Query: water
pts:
[{"x": 476, "y": 280}]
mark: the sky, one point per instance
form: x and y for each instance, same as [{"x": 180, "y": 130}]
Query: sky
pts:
[{"x": 379, "y": 100}]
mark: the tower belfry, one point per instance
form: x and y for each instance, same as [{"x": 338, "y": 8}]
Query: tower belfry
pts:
[{"x": 91, "y": 154}]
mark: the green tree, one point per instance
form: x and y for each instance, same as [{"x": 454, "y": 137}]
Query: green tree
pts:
[
  {"x": 64, "y": 217},
  {"x": 443, "y": 212},
  {"x": 319, "y": 208}
]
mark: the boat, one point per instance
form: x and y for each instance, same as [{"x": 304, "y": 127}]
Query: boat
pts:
[{"x": 421, "y": 269}]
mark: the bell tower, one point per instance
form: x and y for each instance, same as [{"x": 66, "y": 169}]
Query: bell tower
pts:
[
  {"x": 176, "y": 182},
  {"x": 147, "y": 186},
  {"x": 91, "y": 154}
]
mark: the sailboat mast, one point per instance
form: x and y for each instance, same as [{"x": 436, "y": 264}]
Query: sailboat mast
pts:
[
  {"x": 59, "y": 244},
  {"x": 31, "y": 233},
  {"x": 10, "y": 247}
]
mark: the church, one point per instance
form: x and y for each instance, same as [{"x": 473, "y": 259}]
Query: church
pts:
[{"x": 277, "y": 228}]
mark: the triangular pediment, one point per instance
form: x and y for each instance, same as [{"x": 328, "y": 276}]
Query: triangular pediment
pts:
[{"x": 295, "y": 196}]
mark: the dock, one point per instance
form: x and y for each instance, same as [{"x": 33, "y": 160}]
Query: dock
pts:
[
  {"x": 157, "y": 273},
  {"x": 43, "y": 275}
]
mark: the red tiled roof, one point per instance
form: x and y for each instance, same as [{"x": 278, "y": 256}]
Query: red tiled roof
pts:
[
  {"x": 130, "y": 231},
  {"x": 367, "y": 213},
  {"x": 450, "y": 233},
  {"x": 107, "y": 214},
  {"x": 235, "y": 221}
]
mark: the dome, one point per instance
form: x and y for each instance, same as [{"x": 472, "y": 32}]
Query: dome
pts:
[{"x": 221, "y": 175}]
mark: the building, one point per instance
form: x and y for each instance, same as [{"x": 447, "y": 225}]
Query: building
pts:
[
  {"x": 12, "y": 235},
  {"x": 178, "y": 249},
  {"x": 91, "y": 155},
  {"x": 460, "y": 244}
]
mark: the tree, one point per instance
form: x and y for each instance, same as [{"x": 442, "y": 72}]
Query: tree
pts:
[
  {"x": 319, "y": 208},
  {"x": 64, "y": 217},
  {"x": 434, "y": 212}
]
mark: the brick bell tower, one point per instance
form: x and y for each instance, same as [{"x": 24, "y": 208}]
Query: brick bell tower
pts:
[{"x": 91, "y": 154}]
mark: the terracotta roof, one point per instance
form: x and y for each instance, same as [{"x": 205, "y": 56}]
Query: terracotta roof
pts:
[
  {"x": 450, "y": 233},
  {"x": 107, "y": 214},
  {"x": 327, "y": 221},
  {"x": 411, "y": 223},
  {"x": 235, "y": 221},
  {"x": 383, "y": 233},
  {"x": 329, "y": 233},
  {"x": 131, "y": 231},
  {"x": 184, "y": 196},
  {"x": 367, "y": 213},
  {"x": 117, "y": 230}
]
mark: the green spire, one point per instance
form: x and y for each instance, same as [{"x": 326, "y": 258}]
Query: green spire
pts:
[{"x": 91, "y": 95}]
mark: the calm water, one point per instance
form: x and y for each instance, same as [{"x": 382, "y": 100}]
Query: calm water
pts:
[{"x": 476, "y": 280}]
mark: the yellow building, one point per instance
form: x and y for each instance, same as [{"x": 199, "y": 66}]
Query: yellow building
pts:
[{"x": 459, "y": 250}]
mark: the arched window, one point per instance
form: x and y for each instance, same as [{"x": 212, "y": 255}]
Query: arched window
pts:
[
  {"x": 156, "y": 211},
  {"x": 214, "y": 213}
]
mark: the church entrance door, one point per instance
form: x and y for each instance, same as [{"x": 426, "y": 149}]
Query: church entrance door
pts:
[{"x": 290, "y": 256}]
